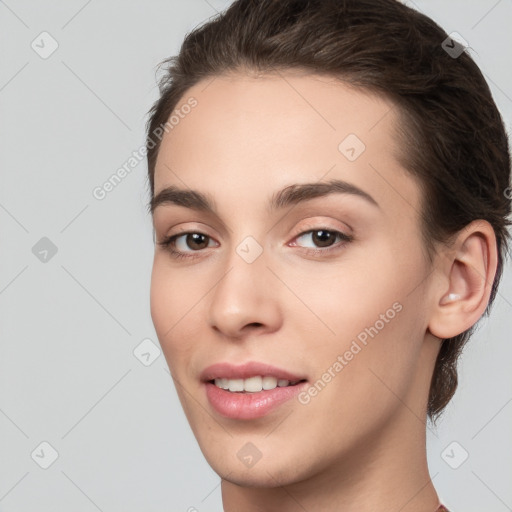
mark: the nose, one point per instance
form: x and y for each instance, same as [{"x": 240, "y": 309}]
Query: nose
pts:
[{"x": 246, "y": 299}]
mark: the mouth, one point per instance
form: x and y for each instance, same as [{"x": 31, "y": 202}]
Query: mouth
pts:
[
  {"x": 242, "y": 404},
  {"x": 248, "y": 374},
  {"x": 254, "y": 384},
  {"x": 250, "y": 390}
]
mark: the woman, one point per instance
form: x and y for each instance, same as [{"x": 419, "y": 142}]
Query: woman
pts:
[{"x": 328, "y": 189}]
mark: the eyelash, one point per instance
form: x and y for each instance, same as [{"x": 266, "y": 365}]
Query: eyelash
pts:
[{"x": 168, "y": 243}]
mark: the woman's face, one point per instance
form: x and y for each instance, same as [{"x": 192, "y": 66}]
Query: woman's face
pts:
[{"x": 332, "y": 288}]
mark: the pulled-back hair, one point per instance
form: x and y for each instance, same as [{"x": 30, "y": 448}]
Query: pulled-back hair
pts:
[{"x": 451, "y": 135}]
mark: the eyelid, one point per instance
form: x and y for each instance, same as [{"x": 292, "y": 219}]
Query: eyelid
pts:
[
  {"x": 319, "y": 224},
  {"x": 186, "y": 229},
  {"x": 171, "y": 238}
]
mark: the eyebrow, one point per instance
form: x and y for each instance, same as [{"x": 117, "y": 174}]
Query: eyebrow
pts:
[{"x": 290, "y": 195}]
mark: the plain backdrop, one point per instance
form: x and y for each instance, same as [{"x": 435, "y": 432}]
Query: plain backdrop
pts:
[{"x": 83, "y": 389}]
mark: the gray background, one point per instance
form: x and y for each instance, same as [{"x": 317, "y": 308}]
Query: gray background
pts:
[{"x": 69, "y": 325}]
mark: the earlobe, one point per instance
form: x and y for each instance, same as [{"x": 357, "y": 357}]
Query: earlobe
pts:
[{"x": 468, "y": 274}]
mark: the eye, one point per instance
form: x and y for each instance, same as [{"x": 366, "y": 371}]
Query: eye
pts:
[
  {"x": 322, "y": 238},
  {"x": 177, "y": 244},
  {"x": 184, "y": 245}
]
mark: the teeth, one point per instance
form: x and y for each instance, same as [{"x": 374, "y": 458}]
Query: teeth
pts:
[
  {"x": 252, "y": 384},
  {"x": 269, "y": 382}
]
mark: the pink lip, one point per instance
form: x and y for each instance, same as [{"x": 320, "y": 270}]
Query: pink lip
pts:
[
  {"x": 247, "y": 406},
  {"x": 244, "y": 371}
]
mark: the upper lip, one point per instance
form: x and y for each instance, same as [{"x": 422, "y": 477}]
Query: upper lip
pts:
[{"x": 227, "y": 370}]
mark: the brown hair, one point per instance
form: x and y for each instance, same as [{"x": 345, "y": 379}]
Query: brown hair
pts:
[{"x": 456, "y": 144}]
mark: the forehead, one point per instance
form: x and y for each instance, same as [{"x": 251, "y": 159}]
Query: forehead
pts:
[
  {"x": 253, "y": 131},
  {"x": 282, "y": 107}
]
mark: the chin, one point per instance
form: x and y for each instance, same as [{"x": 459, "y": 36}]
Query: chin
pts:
[
  {"x": 263, "y": 477},
  {"x": 269, "y": 471}
]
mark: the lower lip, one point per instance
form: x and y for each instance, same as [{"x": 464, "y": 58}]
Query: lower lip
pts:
[{"x": 247, "y": 406}]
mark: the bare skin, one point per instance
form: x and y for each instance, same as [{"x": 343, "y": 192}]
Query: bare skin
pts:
[{"x": 358, "y": 445}]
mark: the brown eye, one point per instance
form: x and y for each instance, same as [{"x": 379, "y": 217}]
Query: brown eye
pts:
[
  {"x": 323, "y": 238},
  {"x": 197, "y": 241},
  {"x": 186, "y": 244}
]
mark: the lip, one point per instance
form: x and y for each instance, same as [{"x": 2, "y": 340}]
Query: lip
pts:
[
  {"x": 248, "y": 406},
  {"x": 227, "y": 370}
]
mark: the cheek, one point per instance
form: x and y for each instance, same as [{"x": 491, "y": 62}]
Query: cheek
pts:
[
  {"x": 380, "y": 330},
  {"x": 173, "y": 294},
  {"x": 162, "y": 300},
  {"x": 364, "y": 309},
  {"x": 343, "y": 299},
  {"x": 175, "y": 303},
  {"x": 168, "y": 306}
]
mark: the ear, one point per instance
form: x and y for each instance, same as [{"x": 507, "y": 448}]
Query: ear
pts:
[{"x": 468, "y": 269}]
